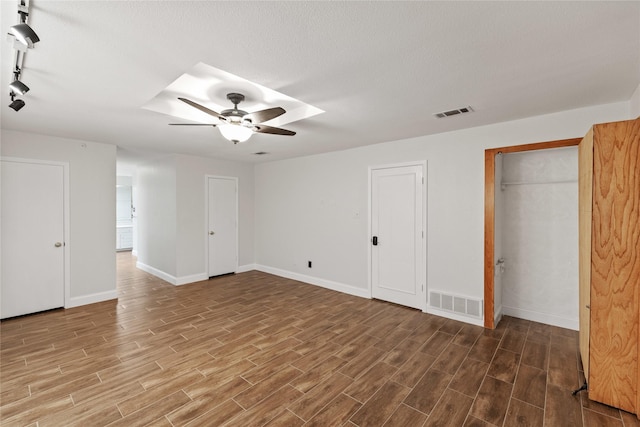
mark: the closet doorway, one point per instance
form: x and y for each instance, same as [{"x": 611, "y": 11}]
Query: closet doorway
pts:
[{"x": 493, "y": 245}]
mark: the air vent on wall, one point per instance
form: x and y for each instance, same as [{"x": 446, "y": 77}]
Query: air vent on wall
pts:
[
  {"x": 455, "y": 112},
  {"x": 470, "y": 307}
]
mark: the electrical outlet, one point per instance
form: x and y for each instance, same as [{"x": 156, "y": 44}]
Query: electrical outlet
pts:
[{"x": 309, "y": 264}]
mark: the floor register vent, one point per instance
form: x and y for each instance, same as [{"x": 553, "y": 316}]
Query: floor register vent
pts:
[{"x": 456, "y": 304}]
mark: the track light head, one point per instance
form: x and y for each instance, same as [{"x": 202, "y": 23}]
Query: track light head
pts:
[
  {"x": 24, "y": 34},
  {"x": 16, "y": 104},
  {"x": 19, "y": 87}
]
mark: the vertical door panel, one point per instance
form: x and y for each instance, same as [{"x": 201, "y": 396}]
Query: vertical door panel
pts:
[
  {"x": 223, "y": 246},
  {"x": 396, "y": 219},
  {"x": 32, "y": 238}
]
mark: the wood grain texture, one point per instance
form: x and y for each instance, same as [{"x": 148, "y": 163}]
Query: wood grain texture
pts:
[
  {"x": 615, "y": 266},
  {"x": 585, "y": 198},
  {"x": 489, "y": 236},
  {"x": 283, "y": 364}
]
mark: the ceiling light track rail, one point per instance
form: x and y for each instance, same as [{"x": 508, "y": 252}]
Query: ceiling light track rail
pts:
[{"x": 23, "y": 38}]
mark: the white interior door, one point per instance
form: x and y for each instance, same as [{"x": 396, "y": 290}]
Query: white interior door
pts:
[
  {"x": 32, "y": 238},
  {"x": 222, "y": 225},
  {"x": 397, "y": 256}
]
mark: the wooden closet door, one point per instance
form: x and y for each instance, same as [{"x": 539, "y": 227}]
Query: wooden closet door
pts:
[
  {"x": 615, "y": 268},
  {"x": 585, "y": 187}
]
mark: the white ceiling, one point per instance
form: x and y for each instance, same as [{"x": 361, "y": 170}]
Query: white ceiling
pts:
[{"x": 379, "y": 70}]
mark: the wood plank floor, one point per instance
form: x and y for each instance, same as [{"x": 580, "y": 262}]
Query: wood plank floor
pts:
[{"x": 254, "y": 349}]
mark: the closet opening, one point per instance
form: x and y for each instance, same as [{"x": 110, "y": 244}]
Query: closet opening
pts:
[{"x": 517, "y": 216}]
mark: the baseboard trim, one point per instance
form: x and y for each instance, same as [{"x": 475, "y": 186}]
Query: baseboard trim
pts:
[
  {"x": 245, "y": 268},
  {"x": 158, "y": 273},
  {"x": 184, "y": 280},
  {"x": 547, "y": 319},
  {"x": 454, "y": 316},
  {"x": 92, "y": 298},
  {"x": 328, "y": 284},
  {"x": 497, "y": 316},
  {"x": 176, "y": 281}
]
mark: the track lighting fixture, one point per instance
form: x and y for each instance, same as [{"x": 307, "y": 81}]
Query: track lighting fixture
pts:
[
  {"x": 16, "y": 104},
  {"x": 24, "y": 34},
  {"x": 23, "y": 38},
  {"x": 17, "y": 86}
]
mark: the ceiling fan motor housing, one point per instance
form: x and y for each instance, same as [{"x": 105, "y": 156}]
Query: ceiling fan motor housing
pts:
[{"x": 234, "y": 115}]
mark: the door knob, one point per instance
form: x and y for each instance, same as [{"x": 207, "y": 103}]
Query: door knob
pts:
[
  {"x": 57, "y": 244},
  {"x": 211, "y": 233}
]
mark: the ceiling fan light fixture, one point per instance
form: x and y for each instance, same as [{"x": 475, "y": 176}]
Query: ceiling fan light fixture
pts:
[
  {"x": 24, "y": 34},
  {"x": 235, "y": 132}
]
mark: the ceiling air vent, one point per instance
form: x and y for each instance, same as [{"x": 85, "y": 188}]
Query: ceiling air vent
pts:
[
  {"x": 260, "y": 153},
  {"x": 455, "y": 112}
]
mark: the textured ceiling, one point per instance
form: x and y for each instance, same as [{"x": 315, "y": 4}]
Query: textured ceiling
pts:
[{"x": 379, "y": 70}]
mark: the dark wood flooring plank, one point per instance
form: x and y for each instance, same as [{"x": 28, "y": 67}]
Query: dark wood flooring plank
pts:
[
  {"x": 492, "y": 401},
  {"x": 257, "y": 349},
  {"x": 381, "y": 405},
  {"x": 451, "y": 410},
  {"x": 522, "y": 414}
]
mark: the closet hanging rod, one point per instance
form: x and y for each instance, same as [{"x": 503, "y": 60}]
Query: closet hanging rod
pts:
[{"x": 566, "y": 181}]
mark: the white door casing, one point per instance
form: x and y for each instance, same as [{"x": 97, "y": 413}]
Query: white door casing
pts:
[
  {"x": 398, "y": 249},
  {"x": 34, "y": 252},
  {"x": 222, "y": 225}
]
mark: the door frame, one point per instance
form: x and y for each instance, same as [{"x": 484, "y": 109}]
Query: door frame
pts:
[
  {"x": 206, "y": 219},
  {"x": 423, "y": 258},
  {"x": 65, "y": 215},
  {"x": 489, "y": 214}
]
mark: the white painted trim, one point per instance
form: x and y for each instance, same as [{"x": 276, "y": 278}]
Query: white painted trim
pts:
[
  {"x": 67, "y": 224},
  {"x": 183, "y": 280},
  {"x": 328, "y": 284},
  {"x": 206, "y": 219},
  {"x": 497, "y": 316},
  {"x": 454, "y": 316},
  {"x": 92, "y": 298},
  {"x": 246, "y": 267},
  {"x": 134, "y": 252},
  {"x": 425, "y": 193},
  {"x": 176, "y": 281},
  {"x": 158, "y": 273},
  {"x": 547, "y": 319}
]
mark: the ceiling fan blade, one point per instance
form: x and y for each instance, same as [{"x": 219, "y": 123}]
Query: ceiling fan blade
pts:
[
  {"x": 264, "y": 115},
  {"x": 272, "y": 130},
  {"x": 192, "y": 124},
  {"x": 203, "y": 109}
]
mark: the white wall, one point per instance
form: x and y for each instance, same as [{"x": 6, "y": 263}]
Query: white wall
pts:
[
  {"x": 315, "y": 208},
  {"x": 634, "y": 104},
  {"x": 191, "y": 219},
  {"x": 540, "y": 236},
  {"x": 171, "y": 210},
  {"x": 156, "y": 216},
  {"x": 92, "y": 208}
]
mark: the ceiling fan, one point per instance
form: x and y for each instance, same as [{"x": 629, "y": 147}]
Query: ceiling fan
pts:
[{"x": 237, "y": 125}]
